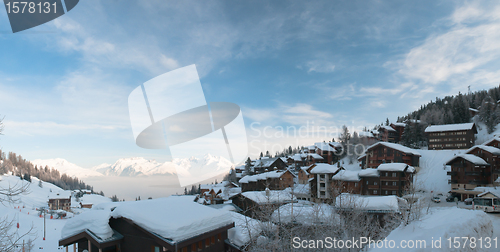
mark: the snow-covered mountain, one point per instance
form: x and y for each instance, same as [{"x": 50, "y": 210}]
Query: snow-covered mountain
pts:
[
  {"x": 137, "y": 166},
  {"x": 63, "y": 166}
]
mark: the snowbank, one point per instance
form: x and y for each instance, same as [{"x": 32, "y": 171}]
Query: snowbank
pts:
[{"x": 443, "y": 224}]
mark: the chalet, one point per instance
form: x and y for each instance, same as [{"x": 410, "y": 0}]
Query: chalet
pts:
[
  {"x": 495, "y": 142},
  {"x": 328, "y": 151},
  {"x": 400, "y": 128},
  {"x": 313, "y": 158},
  {"x": 346, "y": 181},
  {"x": 451, "y": 136},
  {"x": 274, "y": 180},
  {"x": 383, "y": 152},
  {"x": 303, "y": 175},
  {"x": 169, "y": 224},
  {"x": 467, "y": 172},
  {"x": 395, "y": 178},
  {"x": 299, "y": 159},
  {"x": 269, "y": 164},
  {"x": 491, "y": 155},
  {"x": 388, "y": 134},
  {"x": 259, "y": 204},
  {"x": 321, "y": 183},
  {"x": 367, "y": 137},
  {"x": 370, "y": 181},
  {"x": 60, "y": 201}
]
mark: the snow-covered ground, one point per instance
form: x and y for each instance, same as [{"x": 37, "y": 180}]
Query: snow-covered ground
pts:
[
  {"x": 25, "y": 211},
  {"x": 440, "y": 225}
]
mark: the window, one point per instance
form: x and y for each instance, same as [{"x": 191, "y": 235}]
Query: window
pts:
[
  {"x": 155, "y": 249},
  {"x": 193, "y": 247},
  {"x": 322, "y": 193},
  {"x": 394, "y": 183},
  {"x": 393, "y": 192},
  {"x": 200, "y": 245},
  {"x": 355, "y": 184},
  {"x": 375, "y": 183},
  {"x": 207, "y": 242},
  {"x": 219, "y": 237},
  {"x": 394, "y": 174},
  {"x": 386, "y": 192},
  {"x": 367, "y": 182},
  {"x": 375, "y": 192},
  {"x": 213, "y": 239}
]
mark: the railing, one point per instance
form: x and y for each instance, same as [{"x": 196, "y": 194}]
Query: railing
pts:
[
  {"x": 452, "y": 181},
  {"x": 452, "y": 173}
]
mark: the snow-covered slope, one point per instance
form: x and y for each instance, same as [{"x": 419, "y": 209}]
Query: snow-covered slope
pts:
[
  {"x": 138, "y": 166},
  {"x": 432, "y": 173},
  {"x": 63, "y": 166},
  {"x": 441, "y": 225}
]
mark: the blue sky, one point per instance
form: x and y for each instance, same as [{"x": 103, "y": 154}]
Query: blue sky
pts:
[{"x": 64, "y": 85}]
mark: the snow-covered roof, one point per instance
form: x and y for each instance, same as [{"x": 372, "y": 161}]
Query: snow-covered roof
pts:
[
  {"x": 395, "y": 146},
  {"x": 60, "y": 195},
  {"x": 312, "y": 147},
  {"x": 335, "y": 144},
  {"x": 324, "y": 147},
  {"x": 474, "y": 110},
  {"x": 362, "y": 156},
  {"x": 388, "y": 128},
  {"x": 400, "y": 167},
  {"x": 297, "y": 157},
  {"x": 399, "y": 124},
  {"x": 389, "y": 203},
  {"x": 471, "y": 158},
  {"x": 346, "y": 175},
  {"x": 305, "y": 213},
  {"x": 176, "y": 218},
  {"x": 495, "y": 138},
  {"x": 449, "y": 127},
  {"x": 368, "y": 172},
  {"x": 365, "y": 134},
  {"x": 94, "y": 220},
  {"x": 263, "y": 176},
  {"x": 299, "y": 189},
  {"x": 266, "y": 162},
  {"x": 490, "y": 149},
  {"x": 315, "y": 156},
  {"x": 484, "y": 193},
  {"x": 275, "y": 196},
  {"x": 324, "y": 168}
]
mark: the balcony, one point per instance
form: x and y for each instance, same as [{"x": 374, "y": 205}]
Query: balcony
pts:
[
  {"x": 452, "y": 181},
  {"x": 452, "y": 173}
]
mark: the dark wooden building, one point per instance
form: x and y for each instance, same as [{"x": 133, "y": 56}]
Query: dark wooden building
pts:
[
  {"x": 383, "y": 152},
  {"x": 144, "y": 233},
  {"x": 451, "y": 136},
  {"x": 395, "y": 178},
  {"x": 269, "y": 164},
  {"x": 468, "y": 172},
  {"x": 275, "y": 180}
]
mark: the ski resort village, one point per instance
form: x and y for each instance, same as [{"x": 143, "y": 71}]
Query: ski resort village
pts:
[{"x": 408, "y": 184}]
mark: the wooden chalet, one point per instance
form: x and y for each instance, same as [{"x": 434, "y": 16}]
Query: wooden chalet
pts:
[
  {"x": 346, "y": 181},
  {"x": 451, "y": 136},
  {"x": 383, "y": 152},
  {"x": 388, "y": 134},
  {"x": 260, "y": 204},
  {"x": 495, "y": 142},
  {"x": 132, "y": 233},
  {"x": 399, "y": 127},
  {"x": 468, "y": 172},
  {"x": 395, "y": 178},
  {"x": 370, "y": 184},
  {"x": 269, "y": 164},
  {"x": 60, "y": 201},
  {"x": 274, "y": 180}
]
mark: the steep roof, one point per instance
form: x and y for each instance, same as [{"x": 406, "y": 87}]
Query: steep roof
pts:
[
  {"x": 395, "y": 146},
  {"x": 400, "y": 167},
  {"x": 315, "y": 155},
  {"x": 495, "y": 138},
  {"x": 490, "y": 149},
  {"x": 449, "y": 127},
  {"x": 324, "y": 146},
  {"x": 388, "y": 128},
  {"x": 469, "y": 157}
]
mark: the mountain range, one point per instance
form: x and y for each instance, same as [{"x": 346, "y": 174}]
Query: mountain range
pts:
[{"x": 135, "y": 166}]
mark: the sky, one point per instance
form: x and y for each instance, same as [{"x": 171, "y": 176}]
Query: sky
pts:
[{"x": 292, "y": 66}]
